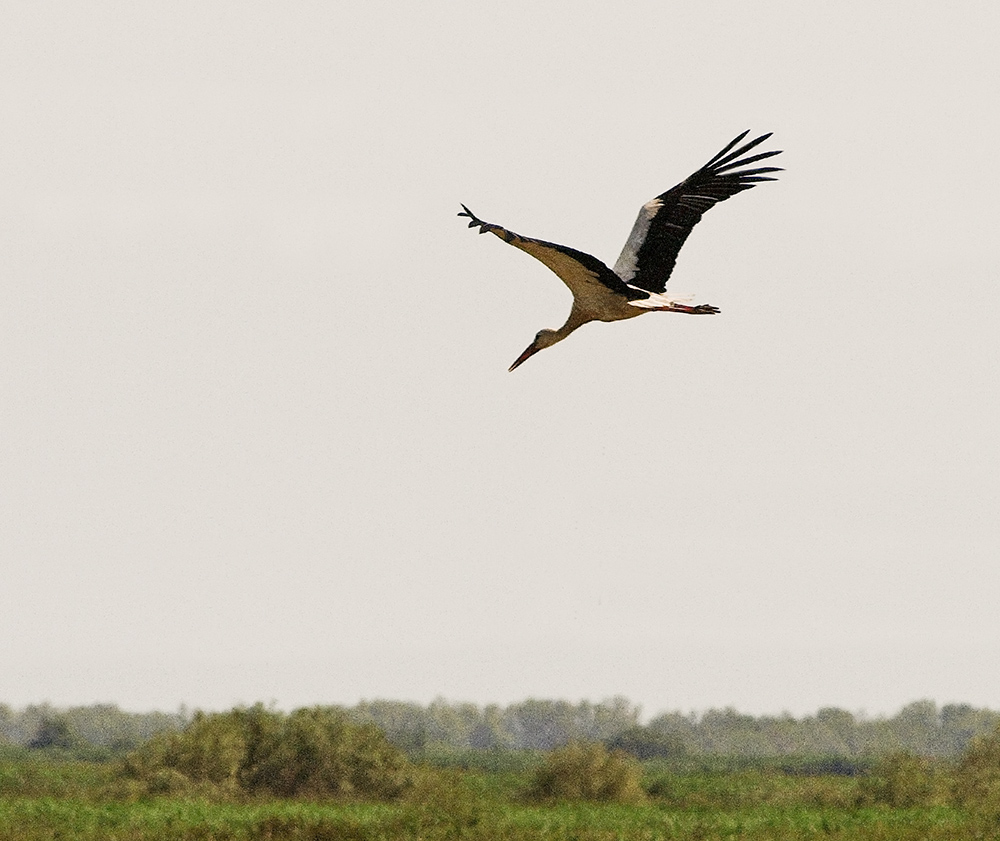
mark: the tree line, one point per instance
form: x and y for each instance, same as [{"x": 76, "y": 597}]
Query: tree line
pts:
[{"x": 921, "y": 728}]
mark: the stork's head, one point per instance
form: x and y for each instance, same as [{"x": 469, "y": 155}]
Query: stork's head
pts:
[{"x": 543, "y": 339}]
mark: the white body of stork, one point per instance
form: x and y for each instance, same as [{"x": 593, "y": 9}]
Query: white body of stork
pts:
[{"x": 638, "y": 282}]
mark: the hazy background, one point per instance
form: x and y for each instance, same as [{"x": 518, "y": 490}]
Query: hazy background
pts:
[{"x": 257, "y": 436}]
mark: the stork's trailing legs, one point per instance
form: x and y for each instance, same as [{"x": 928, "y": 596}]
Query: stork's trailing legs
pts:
[{"x": 698, "y": 309}]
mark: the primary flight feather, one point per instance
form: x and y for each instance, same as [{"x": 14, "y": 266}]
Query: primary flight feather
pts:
[{"x": 638, "y": 281}]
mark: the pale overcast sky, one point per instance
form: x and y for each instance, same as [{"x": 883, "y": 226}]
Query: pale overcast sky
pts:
[{"x": 258, "y": 440}]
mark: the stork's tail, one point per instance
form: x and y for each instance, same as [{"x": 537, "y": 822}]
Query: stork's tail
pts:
[{"x": 664, "y": 303}]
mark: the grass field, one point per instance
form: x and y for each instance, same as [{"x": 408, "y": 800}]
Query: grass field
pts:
[
  {"x": 68, "y": 819},
  {"x": 72, "y": 800}
]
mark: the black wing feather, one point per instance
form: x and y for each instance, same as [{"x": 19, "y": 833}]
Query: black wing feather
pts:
[
  {"x": 576, "y": 269},
  {"x": 664, "y": 223}
]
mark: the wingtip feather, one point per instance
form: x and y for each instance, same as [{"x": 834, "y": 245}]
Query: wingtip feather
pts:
[
  {"x": 728, "y": 146},
  {"x": 725, "y": 162}
]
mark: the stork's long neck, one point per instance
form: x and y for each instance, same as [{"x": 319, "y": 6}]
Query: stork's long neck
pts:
[
  {"x": 577, "y": 318},
  {"x": 547, "y": 338}
]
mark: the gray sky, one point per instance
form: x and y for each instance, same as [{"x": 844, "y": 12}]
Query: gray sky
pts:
[{"x": 257, "y": 437}]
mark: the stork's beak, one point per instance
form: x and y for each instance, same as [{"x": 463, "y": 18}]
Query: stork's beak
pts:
[{"x": 529, "y": 351}]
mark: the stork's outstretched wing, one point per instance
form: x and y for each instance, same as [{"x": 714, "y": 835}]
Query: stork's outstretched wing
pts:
[
  {"x": 586, "y": 276},
  {"x": 664, "y": 223}
]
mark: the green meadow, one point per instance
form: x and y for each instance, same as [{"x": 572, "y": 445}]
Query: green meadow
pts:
[{"x": 52, "y": 799}]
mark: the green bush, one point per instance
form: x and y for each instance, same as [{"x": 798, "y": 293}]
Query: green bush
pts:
[
  {"x": 581, "y": 771},
  {"x": 318, "y": 752},
  {"x": 977, "y": 776},
  {"x": 209, "y": 752},
  {"x": 440, "y": 801},
  {"x": 314, "y": 752},
  {"x": 168, "y": 781},
  {"x": 900, "y": 780},
  {"x": 210, "y": 749}
]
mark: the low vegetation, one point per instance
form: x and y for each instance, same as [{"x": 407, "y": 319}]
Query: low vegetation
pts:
[
  {"x": 976, "y": 784},
  {"x": 316, "y": 773},
  {"x": 903, "y": 781},
  {"x": 314, "y": 752},
  {"x": 588, "y": 772}
]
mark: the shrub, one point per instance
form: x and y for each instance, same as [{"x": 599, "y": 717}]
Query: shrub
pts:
[
  {"x": 168, "y": 781},
  {"x": 581, "y": 771},
  {"x": 977, "y": 776},
  {"x": 900, "y": 780},
  {"x": 439, "y": 803},
  {"x": 210, "y": 749},
  {"x": 312, "y": 752},
  {"x": 317, "y": 751}
]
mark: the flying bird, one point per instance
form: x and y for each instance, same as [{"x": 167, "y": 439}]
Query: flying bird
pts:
[{"x": 638, "y": 281}]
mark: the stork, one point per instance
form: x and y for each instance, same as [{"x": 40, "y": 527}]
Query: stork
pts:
[{"x": 638, "y": 281}]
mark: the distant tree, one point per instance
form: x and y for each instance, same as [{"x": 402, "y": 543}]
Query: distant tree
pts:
[
  {"x": 488, "y": 734},
  {"x": 421, "y": 731},
  {"x": 730, "y": 732},
  {"x": 54, "y": 731},
  {"x": 613, "y": 716},
  {"x": 108, "y": 726},
  {"x": 786, "y": 735},
  {"x": 451, "y": 724},
  {"x": 485, "y": 736},
  {"x": 960, "y": 723},
  {"x": 678, "y": 724},
  {"x": 540, "y": 724},
  {"x": 648, "y": 743},
  {"x": 404, "y": 724},
  {"x": 917, "y": 728},
  {"x": 836, "y": 732}
]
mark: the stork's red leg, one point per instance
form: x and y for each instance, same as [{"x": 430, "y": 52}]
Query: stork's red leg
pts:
[{"x": 698, "y": 309}]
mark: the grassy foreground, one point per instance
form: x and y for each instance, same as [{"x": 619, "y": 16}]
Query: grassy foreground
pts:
[
  {"x": 52, "y": 819},
  {"x": 83, "y": 801}
]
